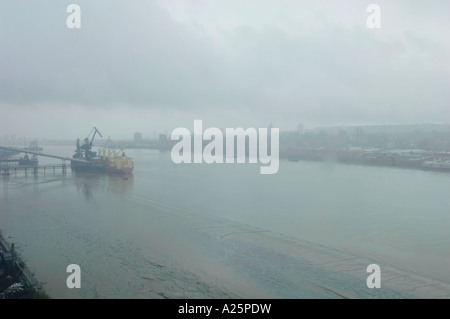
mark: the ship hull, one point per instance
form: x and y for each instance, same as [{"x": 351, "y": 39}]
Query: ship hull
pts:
[
  {"x": 98, "y": 166},
  {"x": 93, "y": 166},
  {"x": 118, "y": 171}
]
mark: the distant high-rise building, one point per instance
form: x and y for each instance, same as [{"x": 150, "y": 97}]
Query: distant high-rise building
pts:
[
  {"x": 138, "y": 138},
  {"x": 163, "y": 144}
]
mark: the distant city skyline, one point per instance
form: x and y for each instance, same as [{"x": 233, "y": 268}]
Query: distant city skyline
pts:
[{"x": 138, "y": 137}]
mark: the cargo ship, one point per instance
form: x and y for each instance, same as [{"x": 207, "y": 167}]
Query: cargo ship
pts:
[
  {"x": 28, "y": 161},
  {"x": 104, "y": 161},
  {"x": 34, "y": 147}
]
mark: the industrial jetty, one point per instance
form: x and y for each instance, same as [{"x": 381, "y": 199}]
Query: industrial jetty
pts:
[{"x": 84, "y": 159}]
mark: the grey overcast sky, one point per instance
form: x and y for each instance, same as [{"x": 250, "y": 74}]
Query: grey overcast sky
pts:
[{"x": 155, "y": 65}]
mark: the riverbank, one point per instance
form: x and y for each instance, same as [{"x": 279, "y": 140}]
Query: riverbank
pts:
[
  {"x": 412, "y": 159},
  {"x": 16, "y": 281}
]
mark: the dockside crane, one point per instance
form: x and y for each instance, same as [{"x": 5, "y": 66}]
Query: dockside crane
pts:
[
  {"x": 95, "y": 130},
  {"x": 87, "y": 146}
]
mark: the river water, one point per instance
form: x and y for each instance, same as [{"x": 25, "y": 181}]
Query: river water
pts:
[{"x": 225, "y": 231}]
